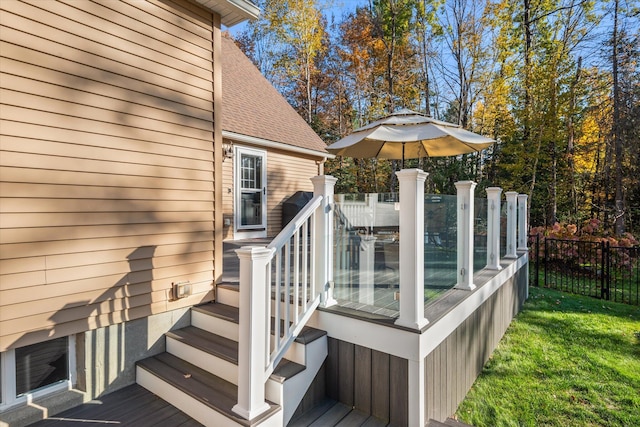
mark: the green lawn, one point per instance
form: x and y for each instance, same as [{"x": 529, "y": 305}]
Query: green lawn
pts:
[{"x": 566, "y": 360}]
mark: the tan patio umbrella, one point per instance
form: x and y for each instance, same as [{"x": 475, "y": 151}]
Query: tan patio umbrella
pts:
[{"x": 409, "y": 135}]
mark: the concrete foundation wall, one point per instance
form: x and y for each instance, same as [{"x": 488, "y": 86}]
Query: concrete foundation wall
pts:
[{"x": 106, "y": 357}]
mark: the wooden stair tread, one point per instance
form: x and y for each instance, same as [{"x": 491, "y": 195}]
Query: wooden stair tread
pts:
[
  {"x": 213, "y": 344},
  {"x": 227, "y": 349},
  {"x": 210, "y": 390},
  {"x": 286, "y": 369},
  {"x": 221, "y": 311}
]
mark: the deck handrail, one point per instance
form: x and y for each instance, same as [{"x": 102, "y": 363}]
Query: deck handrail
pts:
[
  {"x": 281, "y": 285},
  {"x": 301, "y": 254}
]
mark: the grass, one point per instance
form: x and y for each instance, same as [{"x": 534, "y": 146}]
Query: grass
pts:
[{"x": 566, "y": 360}]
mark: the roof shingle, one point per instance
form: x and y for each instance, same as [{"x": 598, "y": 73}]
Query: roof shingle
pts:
[{"x": 252, "y": 106}]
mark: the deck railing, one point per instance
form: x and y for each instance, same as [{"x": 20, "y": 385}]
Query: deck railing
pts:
[
  {"x": 291, "y": 274},
  {"x": 395, "y": 253},
  {"x": 281, "y": 285}
]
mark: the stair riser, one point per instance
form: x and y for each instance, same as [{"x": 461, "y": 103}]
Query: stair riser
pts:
[
  {"x": 216, "y": 366},
  {"x": 283, "y": 307},
  {"x": 295, "y": 388},
  {"x": 229, "y": 330},
  {"x": 215, "y": 325},
  {"x": 232, "y": 297},
  {"x": 295, "y": 353},
  {"x": 192, "y": 407},
  {"x": 210, "y": 363},
  {"x": 228, "y": 296}
]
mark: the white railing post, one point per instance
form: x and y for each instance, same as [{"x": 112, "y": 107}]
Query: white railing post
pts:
[
  {"x": 411, "y": 248},
  {"x": 465, "y": 208},
  {"x": 511, "y": 224},
  {"x": 372, "y": 203},
  {"x": 522, "y": 222},
  {"x": 253, "y": 347},
  {"x": 493, "y": 228},
  {"x": 323, "y": 185},
  {"x": 367, "y": 263}
]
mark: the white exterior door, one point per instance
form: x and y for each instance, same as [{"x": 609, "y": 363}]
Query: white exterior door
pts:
[{"x": 251, "y": 193}]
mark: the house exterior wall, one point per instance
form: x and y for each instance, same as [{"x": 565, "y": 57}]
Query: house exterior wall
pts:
[
  {"x": 106, "y": 163},
  {"x": 287, "y": 172}
]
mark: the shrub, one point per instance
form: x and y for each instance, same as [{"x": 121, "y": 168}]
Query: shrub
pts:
[{"x": 591, "y": 230}]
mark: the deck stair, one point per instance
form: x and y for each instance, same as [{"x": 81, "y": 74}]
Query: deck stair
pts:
[{"x": 198, "y": 373}]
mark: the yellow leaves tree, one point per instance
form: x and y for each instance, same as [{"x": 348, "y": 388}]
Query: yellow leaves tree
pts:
[{"x": 299, "y": 27}]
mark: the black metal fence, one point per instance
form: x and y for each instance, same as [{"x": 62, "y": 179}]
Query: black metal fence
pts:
[{"x": 596, "y": 269}]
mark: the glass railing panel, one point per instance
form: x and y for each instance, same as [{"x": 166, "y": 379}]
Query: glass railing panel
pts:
[
  {"x": 366, "y": 251},
  {"x": 440, "y": 244},
  {"x": 480, "y": 223}
]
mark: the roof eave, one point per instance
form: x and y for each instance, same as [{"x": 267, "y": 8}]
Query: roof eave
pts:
[
  {"x": 232, "y": 12},
  {"x": 247, "y": 139}
]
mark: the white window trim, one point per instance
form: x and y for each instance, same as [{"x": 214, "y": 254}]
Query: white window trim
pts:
[
  {"x": 8, "y": 367},
  {"x": 241, "y": 232}
]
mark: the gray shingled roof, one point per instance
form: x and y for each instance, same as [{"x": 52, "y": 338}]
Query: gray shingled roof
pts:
[{"x": 252, "y": 106}]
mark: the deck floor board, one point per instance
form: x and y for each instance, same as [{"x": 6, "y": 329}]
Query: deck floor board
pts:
[{"x": 132, "y": 406}]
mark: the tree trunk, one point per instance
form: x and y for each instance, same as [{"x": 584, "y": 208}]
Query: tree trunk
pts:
[
  {"x": 571, "y": 140},
  {"x": 527, "y": 69},
  {"x": 617, "y": 134}
]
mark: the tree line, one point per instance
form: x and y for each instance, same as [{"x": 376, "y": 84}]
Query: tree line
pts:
[{"x": 555, "y": 82}]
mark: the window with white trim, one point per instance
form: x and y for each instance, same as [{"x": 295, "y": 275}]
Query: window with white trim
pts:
[{"x": 36, "y": 370}]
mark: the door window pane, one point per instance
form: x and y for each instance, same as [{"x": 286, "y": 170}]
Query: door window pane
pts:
[
  {"x": 251, "y": 172},
  {"x": 41, "y": 364},
  {"x": 251, "y": 210}
]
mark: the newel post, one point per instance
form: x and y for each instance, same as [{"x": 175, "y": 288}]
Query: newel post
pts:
[
  {"x": 323, "y": 185},
  {"x": 522, "y": 222},
  {"x": 253, "y": 342},
  {"x": 493, "y": 228},
  {"x": 511, "y": 224},
  {"x": 411, "y": 248},
  {"x": 465, "y": 209}
]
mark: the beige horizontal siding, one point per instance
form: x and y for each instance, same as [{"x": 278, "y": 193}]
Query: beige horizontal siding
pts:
[
  {"x": 94, "y": 36},
  {"x": 286, "y": 174},
  {"x": 228, "y": 195},
  {"x": 73, "y": 73},
  {"x": 106, "y": 163}
]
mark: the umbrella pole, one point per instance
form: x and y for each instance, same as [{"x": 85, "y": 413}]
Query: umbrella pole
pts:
[{"x": 402, "y": 163}]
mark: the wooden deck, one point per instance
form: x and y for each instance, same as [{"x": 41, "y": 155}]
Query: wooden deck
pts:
[
  {"x": 336, "y": 414},
  {"x": 131, "y": 406}
]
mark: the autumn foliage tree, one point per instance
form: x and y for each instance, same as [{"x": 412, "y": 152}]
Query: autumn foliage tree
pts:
[{"x": 555, "y": 82}]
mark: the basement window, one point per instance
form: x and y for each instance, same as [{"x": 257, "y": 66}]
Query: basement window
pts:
[
  {"x": 42, "y": 364},
  {"x": 36, "y": 370}
]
